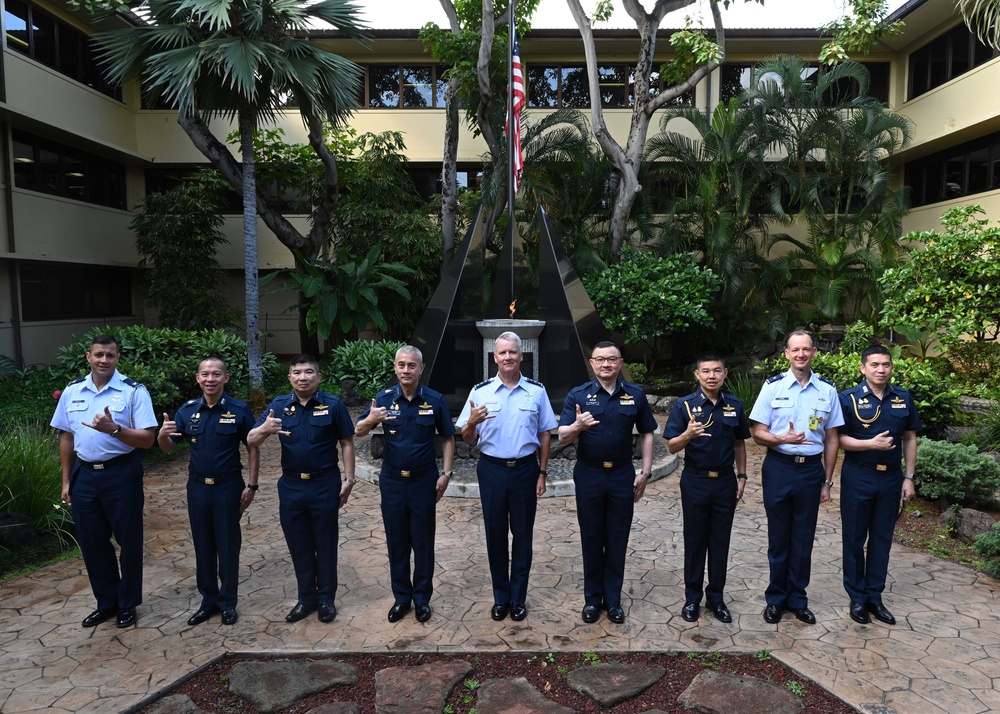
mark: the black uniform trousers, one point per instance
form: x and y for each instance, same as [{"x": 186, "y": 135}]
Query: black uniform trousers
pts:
[
  {"x": 309, "y": 515},
  {"x": 214, "y": 511},
  {"x": 708, "y": 505},
  {"x": 869, "y": 502},
  {"x": 408, "y": 513},
  {"x": 604, "y": 508},
  {"x": 509, "y": 504},
  {"x": 108, "y": 502},
  {"x": 791, "y": 501}
]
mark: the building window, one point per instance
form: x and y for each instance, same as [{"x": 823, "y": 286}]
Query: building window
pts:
[
  {"x": 53, "y": 168},
  {"x": 59, "y": 291},
  {"x": 404, "y": 87},
  {"x": 35, "y": 33},
  {"x": 566, "y": 86},
  {"x": 946, "y": 57},
  {"x": 963, "y": 170},
  {"x": 738, "y": 77}
]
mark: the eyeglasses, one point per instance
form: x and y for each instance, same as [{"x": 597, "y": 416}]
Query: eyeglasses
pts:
[
  {"x": 711, "y": 372},
  {"x": 608, "y": 360}
]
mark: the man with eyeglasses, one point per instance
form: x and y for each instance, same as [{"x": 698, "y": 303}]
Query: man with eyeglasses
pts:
[
  {"x": 712, "y": 428},
  {"x": 600, "y": 417}
]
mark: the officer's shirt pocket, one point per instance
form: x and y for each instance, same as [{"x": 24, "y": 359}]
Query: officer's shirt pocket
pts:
[
  {"x": 224, "y": 431},
  {"x": 626, "y": 416}
]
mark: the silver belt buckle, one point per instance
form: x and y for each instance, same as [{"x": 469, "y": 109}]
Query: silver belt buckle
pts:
[
  {"x": 800, "y": 459},
  {"x": 97, "y": 467}
]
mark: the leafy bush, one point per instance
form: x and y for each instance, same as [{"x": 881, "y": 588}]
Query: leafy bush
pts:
[
  {"x": 988, "y": 546},
  {"x": 990, "y": 440},
  {"x": 29, "y": 400},
  {"x": 955, "y": 472},
  {"x": 744, "y": 387},
  {"x": 977, "y": 365},
  {"x": 165, "y": 361},
  {"x": 856, "y": 338},
  {"x": 934, "y": 394},
  {"x": 368, "y": 363},
  {"x": 637, "y": 371},
  {"x": 31, "y": 480}
]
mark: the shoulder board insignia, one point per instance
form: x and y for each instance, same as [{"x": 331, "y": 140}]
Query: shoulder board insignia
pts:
[
  {"x": 775, "y": 378},
  {"x": 190, "y": 402},
  {"x": 484, "y": 383},
  {"x": 828, "y": 381},
  {"x": 387, "y": 391},
  {"x": 131, "y": 382},
  {"x": 529, "y": 380},
  {"x": 76, "y": 381}
]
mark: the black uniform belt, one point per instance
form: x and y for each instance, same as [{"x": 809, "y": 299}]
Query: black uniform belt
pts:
[
  {"x": 608, "y": 464},
  {"x": 101, "y": 465},
  {"x": 303, "y": 476},
  {"x": 509, "y": 463},
  {"x": 795, "y": 458},
  {"x": 710, "y": 473},
  {"x": 216, "y": 479},
  {"x": 412, "y": 473},
  {"x": 872, "y": 466}
]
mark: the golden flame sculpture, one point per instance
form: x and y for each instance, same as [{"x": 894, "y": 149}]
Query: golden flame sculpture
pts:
[{"x": 512, "y": 311}]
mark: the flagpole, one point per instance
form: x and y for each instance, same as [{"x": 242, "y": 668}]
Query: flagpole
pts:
[{"x": 510, "y": 138}]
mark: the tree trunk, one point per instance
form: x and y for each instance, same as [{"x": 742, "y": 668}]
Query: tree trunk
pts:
[
  {"x": 254, "y": 362},
  {"x": 449, "y": 172}
]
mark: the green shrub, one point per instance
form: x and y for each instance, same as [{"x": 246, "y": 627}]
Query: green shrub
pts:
[
  {"x": 29, "y": 400},
  {"x": 990, "y": 440},
  {"x": 933, "y": 393},
  {"x": 856, "y": 338},
  {"x": 31, "y": 480},
  {"x": 165, "y": 361},
  {"x": 988, "y": 546},
  {"x": 955, "y": 472},
  {"x": 977, "y": 365},
  {"x": 744, "y": 387},
  {"x": 636, "y": 372},
  {"x": 368, "y": 363}
]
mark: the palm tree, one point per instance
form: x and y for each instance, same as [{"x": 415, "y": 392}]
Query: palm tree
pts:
[
  {"x": 242, "y": 59},
  {"x": 982, "y": 16}
]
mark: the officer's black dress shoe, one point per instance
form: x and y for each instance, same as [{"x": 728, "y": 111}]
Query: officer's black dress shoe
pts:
[
  {"x": 229, "y": 617},
  {"x": 591, "y": 613},
  {"x": 397, "y": 611},
  {"x": 880, "y": 613},
  {"x": 804, "y": 614},
  {"x": 98, "y": 616},
  {"x": 126, "y": 617},
  {"x": 720, "y": 611},
  {"x": 772, "y": 614},
  {"x": 327, "y": 611},
  {"x": 299, "y": 611},
  {"x": 690, "y": 611},
  {"x": 500, "y": 611},
  {"x": 616, "y": 614},
  {"x": 518, "y": 612},
  {"x": 202, "y": 615},
  {"x": 859, "y": 613},
  {"x": 423, "y": 611}
]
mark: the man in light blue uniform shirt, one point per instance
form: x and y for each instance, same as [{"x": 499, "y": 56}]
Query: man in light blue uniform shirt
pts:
[
  {"x": 511, "y": 417},
  {"x": 104, "y": 418},
  {"x": 796, "y": 417}
]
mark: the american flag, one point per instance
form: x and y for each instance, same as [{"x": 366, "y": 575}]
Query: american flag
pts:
[{"x": 517, "y": 97}]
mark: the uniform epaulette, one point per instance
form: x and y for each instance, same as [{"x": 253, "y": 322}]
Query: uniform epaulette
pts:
[
  {"x": 190, "y": 401},
  {"x": 828, "y": 381},
  {"x": 483, "y": 383},
  {"x": 386, "y": 391},
  {"x": 529, "y": 380},
  {"x": 775, "y": 378},
  {"x": 76, "y": 381},
  {"x": 131, "y": 382}
]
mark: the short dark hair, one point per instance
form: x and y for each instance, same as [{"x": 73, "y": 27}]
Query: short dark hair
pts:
[
  {"x": 709, "y": 357},
  {"x": 303, "y": 359},
  {"x": 875, "y": 349},
  {"x": 605, "y": 344},
  {"x": 215, "y": 358},
  {"x": 801, "y": 332},
  {"x": 104, "y": 339}
]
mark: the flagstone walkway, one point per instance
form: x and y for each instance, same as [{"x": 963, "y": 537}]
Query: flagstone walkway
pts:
[{"x": 943, "y": 656}]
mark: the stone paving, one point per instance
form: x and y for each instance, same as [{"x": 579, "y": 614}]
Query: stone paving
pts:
[{"x": 943, "y": 656}]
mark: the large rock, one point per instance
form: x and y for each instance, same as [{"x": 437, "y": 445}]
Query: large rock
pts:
[
  {"x": 274, "y": 685},
  {"x": 16, "y": 530},
  {"x": 968, "y": 523},
  {"x": 336, "y": 708},
  {"x": 974, "y": 405},
  {"x": 611, "y": 684},
  {"x": 514, "y": 696},
  {"x": 716, "y": 693},
  {"x": 423, "y": 689},
  {"x": 175, "y": 704}
]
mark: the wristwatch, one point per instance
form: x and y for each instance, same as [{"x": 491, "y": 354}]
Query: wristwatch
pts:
[
  {"x": 351, "y": 481},
  {"x": 909, "y": 476},
  {"x": 742, "y": 476},
  {"x": 447, "y": 474},
  {"x": 828, "y": 483},
  {"x": 116, "y": 432},
  {"x": 647, "y": 474},
  {"x": 253, "y": 486}
]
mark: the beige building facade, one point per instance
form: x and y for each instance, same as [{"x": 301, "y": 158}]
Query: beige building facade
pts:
[{"x": 78, "y": 157}]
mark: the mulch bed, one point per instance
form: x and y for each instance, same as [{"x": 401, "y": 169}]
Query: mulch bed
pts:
[{"x": 546, "y": 671}]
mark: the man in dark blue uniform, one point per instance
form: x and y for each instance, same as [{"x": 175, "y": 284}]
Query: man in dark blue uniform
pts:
[
  {"x": 600, "y": 416},
  {"x": 409, "y": 482},
  {"x": 511, "y": 417},
  {"x": 712, "y": 429},
  {"x": 796, "y": 417},
  {"x": 215, "y": 424},
  {"x": 309, "y": 424},
  {"x": 104, "y": 418},
  {"x": 879, "y": 434}
]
